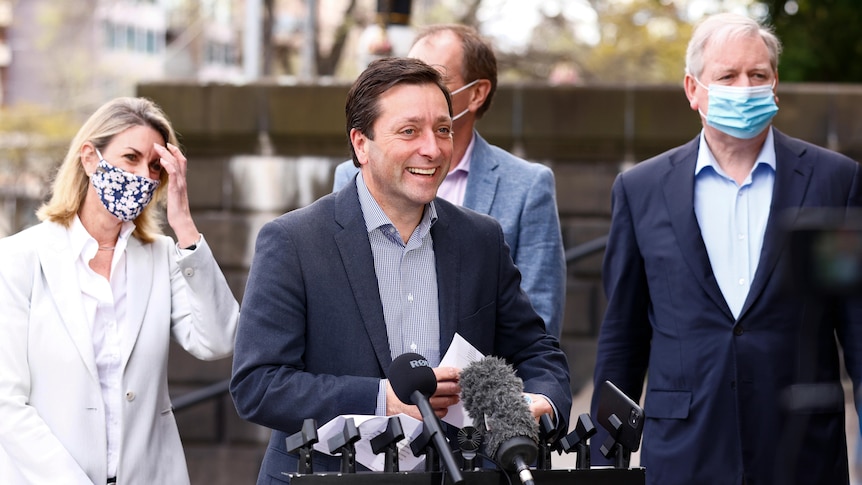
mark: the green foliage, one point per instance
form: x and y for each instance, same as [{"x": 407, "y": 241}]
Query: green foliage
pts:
[
  {"x": 642, "y": 42},
  {"x": 822, "y": 41},
  {"x": 33, "y": 140}
]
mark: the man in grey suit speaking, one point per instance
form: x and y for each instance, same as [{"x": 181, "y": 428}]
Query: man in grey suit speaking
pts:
[
  {"x": 340, "y": 288},
  {"x": 487, "y": 179}
]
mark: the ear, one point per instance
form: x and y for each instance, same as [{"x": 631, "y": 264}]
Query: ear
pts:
[
  {"x": 480, "y": 94},
  {"x": 360, "y": 145},
  {"x": 691, "y": 87},
  {"x": 89, "y": 158}
]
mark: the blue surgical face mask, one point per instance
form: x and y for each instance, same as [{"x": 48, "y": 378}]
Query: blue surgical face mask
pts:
[
  {"x": 123, "y": 193},
  {"x": 453, "y": 93},
  {"x": 740, "y": 111}
]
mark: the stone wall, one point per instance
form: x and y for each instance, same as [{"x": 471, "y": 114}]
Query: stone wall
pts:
[{"x": 261, "y": 150}]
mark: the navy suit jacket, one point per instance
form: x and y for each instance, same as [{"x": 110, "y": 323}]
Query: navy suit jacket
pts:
[
  {"x": 715, "y": 384},
  {"x": 312, "y": 339},
  {"x": 522, "y": 197}
]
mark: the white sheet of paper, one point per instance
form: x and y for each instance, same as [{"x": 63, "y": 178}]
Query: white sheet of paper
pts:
[
  {"x": 460, "y": 354},
  {"x": 369, "y": 427}
]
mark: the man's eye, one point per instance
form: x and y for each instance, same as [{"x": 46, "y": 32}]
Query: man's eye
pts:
[{"x": 409, "y": 131}]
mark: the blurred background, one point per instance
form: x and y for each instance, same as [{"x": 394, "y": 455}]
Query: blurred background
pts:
[{"x": 256, "y": 90}]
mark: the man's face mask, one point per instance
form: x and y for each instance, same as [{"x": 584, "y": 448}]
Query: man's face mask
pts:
[
  {"x": 740, "y": 111},
  {"x": 453, "y": 93},
  {"x": 123, "y": 193}
]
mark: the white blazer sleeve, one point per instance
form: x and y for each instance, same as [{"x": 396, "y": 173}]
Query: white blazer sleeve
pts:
[{"x": 204, "y": 312}]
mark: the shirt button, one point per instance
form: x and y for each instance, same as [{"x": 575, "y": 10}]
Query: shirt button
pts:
[
  {"x": 410, "y": 297},
  {"x": 741, "y": 281},
  {"x": 130, "y": 396},
  {"x": 741, "y": 237},
  {"x": 189, "y": 272},
  {"x": 738, "y": 330}
]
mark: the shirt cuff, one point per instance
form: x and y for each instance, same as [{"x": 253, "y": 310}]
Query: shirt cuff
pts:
[
  {"x": 381, "y": 399},
  {"x": 181, "y": 252}
]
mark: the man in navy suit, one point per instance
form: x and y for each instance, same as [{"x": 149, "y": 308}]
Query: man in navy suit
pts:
[
  {"x": 695, "y": 271},
  {"x": 519, "y": 194},
  {"x": 338, "y": 289}
]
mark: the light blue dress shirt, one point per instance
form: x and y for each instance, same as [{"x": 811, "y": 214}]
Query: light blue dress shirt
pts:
[
  {"x": 407, "y": 280},
  {"x": 732, "y": 219}
]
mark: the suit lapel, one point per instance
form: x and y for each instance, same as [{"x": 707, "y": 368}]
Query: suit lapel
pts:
[
  {"x": 678, "y": 187},
  {"x": 447, "y": 259},
  {"x": 58, "y": 266},
  {"x": 139, "y": 278},
  {"x": 792, "y": 175},
  {"x": 355, "y": 250},
  {"x": 482, "y": 180}
]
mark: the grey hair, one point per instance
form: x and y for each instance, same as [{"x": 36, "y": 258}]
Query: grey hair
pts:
[{"x": 717, "y": 29}]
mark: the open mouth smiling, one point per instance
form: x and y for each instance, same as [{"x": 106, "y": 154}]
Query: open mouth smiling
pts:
[{"x": 422, "y": 171}]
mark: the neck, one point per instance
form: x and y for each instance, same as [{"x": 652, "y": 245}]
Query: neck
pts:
[
  {"x": 460, "y": 142},
  {"x": 735, "y": 156},
  {"x": 99, "y": 223}
]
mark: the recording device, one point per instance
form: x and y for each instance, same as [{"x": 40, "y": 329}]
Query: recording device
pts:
[
  {"x": 469, "y": 441},
  {"x": 826, "y": 251},
  {"x": 624, "y": 421},
  {"x": 493, "y": 397},
  {"x": 413, "y": 381}
]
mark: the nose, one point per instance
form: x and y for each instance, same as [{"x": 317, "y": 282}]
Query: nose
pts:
[{"x": 429, "y": 145}]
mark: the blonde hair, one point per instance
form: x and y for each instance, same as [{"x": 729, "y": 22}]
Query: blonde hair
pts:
[{"x": 71, "y": 182}]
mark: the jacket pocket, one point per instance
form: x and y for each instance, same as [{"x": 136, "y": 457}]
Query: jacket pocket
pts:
[{"x": 667, "y": 404}]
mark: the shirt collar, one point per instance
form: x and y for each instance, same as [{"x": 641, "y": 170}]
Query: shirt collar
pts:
[
  {"x": 374, "y": 215},
  {"x": 464, "y": 163},
  {"x": 84, "y": 245},
  {"x": 705, "y": 158}
]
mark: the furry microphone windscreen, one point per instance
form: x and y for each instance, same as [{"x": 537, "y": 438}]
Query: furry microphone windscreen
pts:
[{"x": 493, "y": 396}]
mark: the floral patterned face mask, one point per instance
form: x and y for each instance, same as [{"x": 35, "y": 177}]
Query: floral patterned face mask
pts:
[{"x": 123, "y": 193}]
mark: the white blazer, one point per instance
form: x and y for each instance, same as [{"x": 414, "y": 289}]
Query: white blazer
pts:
[{"x": 52, "y": 419}]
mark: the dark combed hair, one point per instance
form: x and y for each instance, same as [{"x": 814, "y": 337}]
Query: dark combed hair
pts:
[{"x": 362, "y": 107}]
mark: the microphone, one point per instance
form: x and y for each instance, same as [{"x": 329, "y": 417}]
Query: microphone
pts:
[
  {"x": 413, "y": 381},
  {"x": 493, "y": 396}
]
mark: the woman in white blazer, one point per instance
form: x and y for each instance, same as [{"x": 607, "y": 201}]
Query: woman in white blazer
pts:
[{"x": 89, "y": 299}]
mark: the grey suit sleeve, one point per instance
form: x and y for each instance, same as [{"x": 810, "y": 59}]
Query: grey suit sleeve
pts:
[
  {"x": 344, "y": 172},
  {"x": 540, "y": 256}
]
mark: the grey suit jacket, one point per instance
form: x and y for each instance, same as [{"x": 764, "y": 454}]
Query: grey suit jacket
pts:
[
  {"x": 521, "y": 196},
  {"x": 312, "y": 340}
]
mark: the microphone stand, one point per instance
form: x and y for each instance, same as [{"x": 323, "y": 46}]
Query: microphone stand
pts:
[
  {"x": 547, "y": 440},
  {"x": 301, "y": 443},
  {"x": 578, "y": 441},
  {"x": 387, "y": 441},
  {"x": 437, "y": 436},
  {"x": 345, "y": 445}
]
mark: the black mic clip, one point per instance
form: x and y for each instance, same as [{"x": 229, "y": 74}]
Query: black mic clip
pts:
[
  {"x": 424, "y": 445},
  {"x": 612, "y": 448},
  {"x": 547, "y": 442},
  {"x": 301, "y": 442},
  {"x": 387, "y": 442},
  {"x": 578, "y": 441},
  {"x": 345, "y": 445}
]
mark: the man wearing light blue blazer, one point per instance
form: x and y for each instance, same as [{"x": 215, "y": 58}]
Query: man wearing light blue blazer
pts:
[{"x": 487, "y": 179}]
